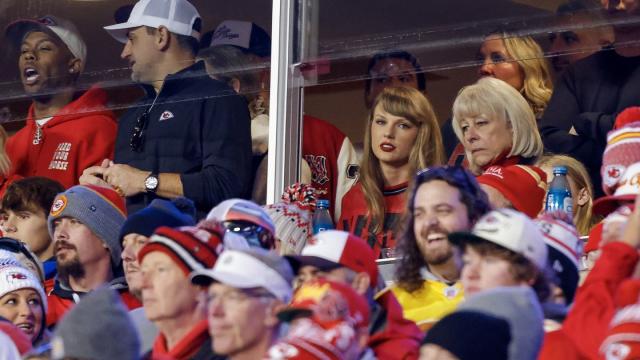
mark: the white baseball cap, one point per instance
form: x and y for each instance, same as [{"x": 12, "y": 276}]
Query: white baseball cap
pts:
[
  {"x": 255, "y": 268},
  {"x": 510, "y": 229},
  {"x": 179, "y": 16},
  {"x": 64, "y": 29}
]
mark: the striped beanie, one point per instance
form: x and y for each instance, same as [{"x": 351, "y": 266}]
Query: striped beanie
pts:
[
  {"x": 623, "y": 148},
  {"x": 101, "y": 209},
  {"x": 192, "y": 248},
  {"x": 565, "y": 250}
]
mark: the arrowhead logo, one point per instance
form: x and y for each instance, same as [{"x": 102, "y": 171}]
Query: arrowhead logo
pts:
[{"x": 166, "y": 115}]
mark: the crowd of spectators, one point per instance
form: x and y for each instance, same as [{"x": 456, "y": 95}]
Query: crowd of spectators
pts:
[{"x": 148, "y": 236}]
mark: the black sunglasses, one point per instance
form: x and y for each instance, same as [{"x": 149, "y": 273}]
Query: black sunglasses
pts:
[{"x": 137, "y": 136}]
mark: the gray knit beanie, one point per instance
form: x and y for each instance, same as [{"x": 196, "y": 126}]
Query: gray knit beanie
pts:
[
  {"x": 97, "y": 328},
  {"x": 101, "y": 209}
]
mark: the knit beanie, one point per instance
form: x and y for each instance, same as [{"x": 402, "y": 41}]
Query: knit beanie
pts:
[
  {"x": 192, "y": 248},
  {"x": 471, "y": 335},
  {"x": 101, "y": 209},
  {"x": 524, "y": 186},
  {"x": 292, "y": 217},
  {"x": 97, "y": 328},
  {"x": 14, "y": 276},
  {"x": 565, "y": 250},
  {"x": 172, "y": 213},
  {"x": 623, "y": 148}
]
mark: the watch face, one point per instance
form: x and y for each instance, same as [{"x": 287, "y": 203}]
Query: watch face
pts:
[{"x": 151, "y": 183}]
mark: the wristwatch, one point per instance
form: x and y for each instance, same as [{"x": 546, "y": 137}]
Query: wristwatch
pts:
[{"x": 151, "y": 183}]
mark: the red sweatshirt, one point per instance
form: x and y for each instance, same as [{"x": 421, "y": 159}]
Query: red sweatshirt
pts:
[
  {"x": 586, "y": 325},
  {"x": 186, "y": 348},
  {"x": 394, "y": 338},
  {"x": 356, "y": 220},
  {"x": 81, "y": 135}
]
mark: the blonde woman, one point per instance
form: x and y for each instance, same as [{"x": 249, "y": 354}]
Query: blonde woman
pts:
[
  {"x": 581, "y": 189},
  {"x": 517, "y": 60},
  {"x": 495, "y": 125},
  {"x": 401, "y": 137}
]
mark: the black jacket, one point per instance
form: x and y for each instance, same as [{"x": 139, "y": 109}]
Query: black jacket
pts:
[
  {"x": 199, "y": 128},
  {"x": 588, "y": 97}
]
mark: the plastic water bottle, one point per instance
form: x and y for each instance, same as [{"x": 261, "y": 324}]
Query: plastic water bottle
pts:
[
  {"x": 559, "y": 195},
  {"x": 321, "y": 217}
]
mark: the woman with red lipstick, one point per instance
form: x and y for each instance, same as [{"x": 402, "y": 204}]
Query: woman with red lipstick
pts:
[
  {"x": 401, "y": 137},
  {"x": 496, "y": 126}
]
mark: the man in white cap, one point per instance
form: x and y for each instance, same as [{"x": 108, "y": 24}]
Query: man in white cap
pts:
[
  {"x": 190, "y": 135},
  {"x": 246, "y": 290},
  {"x": 67, "y": 130}
]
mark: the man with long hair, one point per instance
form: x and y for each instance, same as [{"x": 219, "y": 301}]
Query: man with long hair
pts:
[{"x": 444, "y": 200}]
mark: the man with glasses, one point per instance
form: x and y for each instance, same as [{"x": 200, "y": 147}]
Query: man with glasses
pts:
[
  {"x": 444, "y": 200},
  {"x": 190, "y": 135},
  {"x": 170, "y": 300},
  {"x": 246, "y": 290},
  {"x": 345, "y": 258}
]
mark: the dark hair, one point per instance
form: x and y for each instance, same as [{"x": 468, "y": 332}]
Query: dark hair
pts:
[
  {"x": 396, "y": 54},
  {"x": 186, "y": 42},
  {"x": 31, "y": 194},
  {"x": 474, "y": 198},
  {"x": 521, "y": 268}
]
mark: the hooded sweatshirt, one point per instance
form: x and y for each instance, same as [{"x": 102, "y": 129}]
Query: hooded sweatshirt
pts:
[
  {"x": 80, "y": 135},
  {"x": 62, "y": 298},
  {"x": 195, "y": 345},
  {"x": 391, "y": 335}
]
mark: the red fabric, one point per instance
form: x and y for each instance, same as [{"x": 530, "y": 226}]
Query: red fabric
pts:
[
  {"x": 504, "y": 160},
  {"x": 188, "y": 346},
  {"x": 322, "y": 148},
  {"x": 627, "y": 116},
  {"x": 19, "y": 338},
  {"x": 399, "y": 338},
  {"x": 5, "y": 182},
  {"x": 355, "y": 218},
  {"x": 58, "y": 306},
  {"x": 587, "y": 323},
  {"x": 595, "y": 236},
  {"x": 557, "y": 345},
  {"x": 81, "y": 135},
  {"x": 111, "y": 196},
  {"x": 524, "y": 186}
]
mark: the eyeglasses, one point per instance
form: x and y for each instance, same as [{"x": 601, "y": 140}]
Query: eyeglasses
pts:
[
  {"x": 234, "y": 297},
  {"x": 137, "y": 136}
]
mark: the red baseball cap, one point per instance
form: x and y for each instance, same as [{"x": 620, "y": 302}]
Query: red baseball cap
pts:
[
  {"x": 332, "y": 249},
  {"x": 595, "y": 236},
  {"x": 524, "y": 186}
]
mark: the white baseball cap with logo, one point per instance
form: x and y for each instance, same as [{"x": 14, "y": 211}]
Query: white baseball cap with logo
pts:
[
  {"x": 179, "y": 16},
  {"x": 246, "y": 270},
  {"x": 510, "y": 229}
]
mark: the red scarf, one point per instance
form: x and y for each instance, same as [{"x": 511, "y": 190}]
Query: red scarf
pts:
[
  {"x": 188, "y": 346},
  {"x": 504, "y": 160}
]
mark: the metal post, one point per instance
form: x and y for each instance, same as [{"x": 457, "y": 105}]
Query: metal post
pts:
[{"x": 285, "y": 106}]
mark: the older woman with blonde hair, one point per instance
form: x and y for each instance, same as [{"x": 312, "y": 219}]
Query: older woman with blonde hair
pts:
[
  {"x": 401, "y": 137},
  {"x": 580, "y": 186},
  {"x": 495, "y": 125}
]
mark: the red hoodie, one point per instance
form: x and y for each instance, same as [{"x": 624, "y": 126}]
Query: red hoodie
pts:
[
  {"x": 187, "y": 347},
  {"x": 80, "y": 135},
  {"x": 586, "y": 325},
  {"x": 392, "y": 336}
]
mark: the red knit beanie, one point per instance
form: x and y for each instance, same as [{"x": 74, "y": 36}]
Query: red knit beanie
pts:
[
  {"x": 623, "y": 148},
  {"x": 524, "y": 186}
]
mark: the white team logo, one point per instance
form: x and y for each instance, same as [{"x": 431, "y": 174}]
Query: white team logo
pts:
[{"x": 166, "y": 115}]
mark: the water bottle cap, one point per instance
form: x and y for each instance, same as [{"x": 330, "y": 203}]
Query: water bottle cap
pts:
[
  {"x": 560, "y": 170},
  {"x": 322, "y": 203}
]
